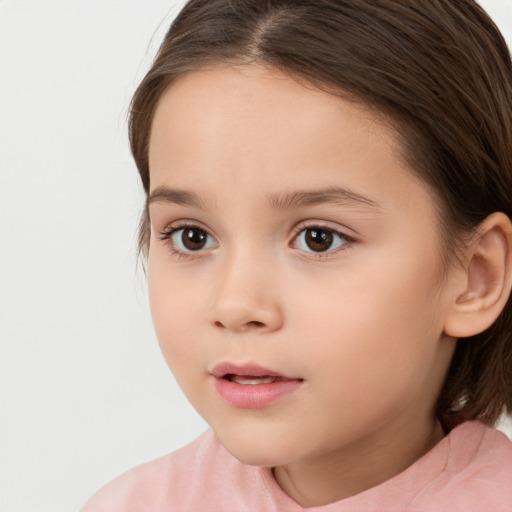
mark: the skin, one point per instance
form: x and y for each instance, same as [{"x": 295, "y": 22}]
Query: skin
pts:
[{"x": 362, "y": 324}]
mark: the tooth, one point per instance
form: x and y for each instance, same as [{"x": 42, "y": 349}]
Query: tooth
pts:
[{"x": 242, "y": 379}]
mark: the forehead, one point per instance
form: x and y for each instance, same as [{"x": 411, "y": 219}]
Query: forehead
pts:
[{"x": 253, "y": 128}]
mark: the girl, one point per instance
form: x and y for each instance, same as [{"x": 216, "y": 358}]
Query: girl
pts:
[{"x": 329, "y": 255}]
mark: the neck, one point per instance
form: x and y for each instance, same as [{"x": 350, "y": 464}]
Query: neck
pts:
[{"x": 353, "y": 469}]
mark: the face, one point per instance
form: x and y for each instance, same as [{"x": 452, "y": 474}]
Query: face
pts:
[{"x": 294, "y": 267}]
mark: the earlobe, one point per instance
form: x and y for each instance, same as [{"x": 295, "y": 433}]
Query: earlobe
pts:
[{"x": 486, "y": 281}]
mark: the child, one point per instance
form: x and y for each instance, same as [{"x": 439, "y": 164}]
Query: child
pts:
[{"x": 329, "y": 256}]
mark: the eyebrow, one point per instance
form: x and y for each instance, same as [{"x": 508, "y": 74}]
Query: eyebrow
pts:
[
  {"x": 281, "y": 201},
  {"x": 176, "y": 196},
  {"x": 331, "y": 195}
]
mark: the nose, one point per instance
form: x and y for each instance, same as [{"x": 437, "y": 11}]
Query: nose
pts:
[{"x": 246, "y": 298}]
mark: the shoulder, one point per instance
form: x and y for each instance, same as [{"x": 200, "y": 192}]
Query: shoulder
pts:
[
  {"x": 478, "y": 472},
  {"x": 480, "y": 452},
  {"x": 153, "y": 485},
  {"x": 202, "y": 475}
]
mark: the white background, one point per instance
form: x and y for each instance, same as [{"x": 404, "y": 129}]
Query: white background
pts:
[{"x": 84, "y": 391}]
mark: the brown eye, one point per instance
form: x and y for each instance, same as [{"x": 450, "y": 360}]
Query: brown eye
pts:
[
  {"x": 194, "y": 239},
  {"x": 318, "y": 239},
  {"x": 189, "y": 239}
]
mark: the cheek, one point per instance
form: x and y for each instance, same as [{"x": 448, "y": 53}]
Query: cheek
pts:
[
  {"x": 175, "y": 309},
  {"x": 375, "y": 332}
]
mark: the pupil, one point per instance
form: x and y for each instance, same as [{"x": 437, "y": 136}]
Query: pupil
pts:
[
  {"x": 318, "y": 240},
  {"x": 193, "y": 239}
]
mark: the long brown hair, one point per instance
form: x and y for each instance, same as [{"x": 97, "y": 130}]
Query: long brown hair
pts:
[{"x": 439, "y": 71}]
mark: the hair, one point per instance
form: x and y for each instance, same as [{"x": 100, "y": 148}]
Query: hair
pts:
[{"x": 439, "y": 71}]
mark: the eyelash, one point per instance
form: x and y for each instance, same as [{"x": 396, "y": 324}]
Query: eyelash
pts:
[
  {"x": 331, "y": 253},
  {"x": 166, "y": 236}
]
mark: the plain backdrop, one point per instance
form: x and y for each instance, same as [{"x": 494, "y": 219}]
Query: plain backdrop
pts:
[{"x": 84, "y": 391}]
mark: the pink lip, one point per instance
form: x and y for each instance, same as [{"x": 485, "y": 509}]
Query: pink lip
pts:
[{"x": 251, "y": 396}]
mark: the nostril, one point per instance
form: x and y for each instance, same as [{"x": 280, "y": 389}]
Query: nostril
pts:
[{"x": 255, "y": 323}]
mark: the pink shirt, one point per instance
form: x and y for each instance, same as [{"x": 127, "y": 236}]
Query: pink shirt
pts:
[{"x": 470, "y": 470}]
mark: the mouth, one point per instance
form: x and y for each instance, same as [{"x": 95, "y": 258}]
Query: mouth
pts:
[
  {"x": 232, "y": 371},
  {"x": 252, "y": 386},
  {"x": 252, "y": 380}
]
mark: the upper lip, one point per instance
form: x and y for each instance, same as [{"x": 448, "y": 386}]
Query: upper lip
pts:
[{"x": 253, "y": 370}]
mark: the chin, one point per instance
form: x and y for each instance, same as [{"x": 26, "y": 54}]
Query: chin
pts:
[
  {"x": 254, "y": 458},
  {"x": 264, "y": 453}
]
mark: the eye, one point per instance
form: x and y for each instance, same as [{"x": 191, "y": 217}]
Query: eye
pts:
[
  {"x": 188, "y": 239},
  {"x": 320, "y": 239}
]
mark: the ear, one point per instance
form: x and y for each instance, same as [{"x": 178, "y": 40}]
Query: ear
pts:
[{"x": 483, "y": 286}]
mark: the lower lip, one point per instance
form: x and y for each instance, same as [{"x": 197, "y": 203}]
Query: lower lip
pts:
[{"x": 254, "y": 396}]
